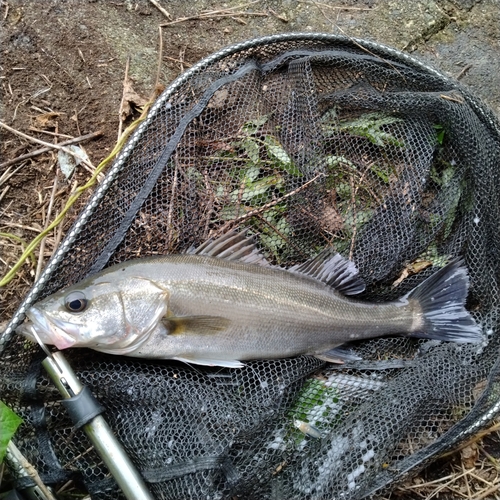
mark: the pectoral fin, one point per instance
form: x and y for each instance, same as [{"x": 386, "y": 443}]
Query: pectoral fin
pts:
[{"x": 195, "y": 324}]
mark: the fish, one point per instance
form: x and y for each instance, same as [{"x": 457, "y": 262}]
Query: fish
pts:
[{"x": 223, "y": 303}]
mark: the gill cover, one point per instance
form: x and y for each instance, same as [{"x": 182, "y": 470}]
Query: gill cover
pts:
[{"x": 143, "y": 304}]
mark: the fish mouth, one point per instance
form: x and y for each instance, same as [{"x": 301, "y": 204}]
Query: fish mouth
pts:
[{"x": 50, "y": 331}]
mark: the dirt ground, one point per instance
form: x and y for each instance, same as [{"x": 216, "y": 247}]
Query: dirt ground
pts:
[{"x": 62, "y": 70}]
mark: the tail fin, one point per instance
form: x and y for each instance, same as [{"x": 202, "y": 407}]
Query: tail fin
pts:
[{"x": 442, "y": 298}]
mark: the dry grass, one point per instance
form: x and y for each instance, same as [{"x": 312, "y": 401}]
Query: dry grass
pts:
[{"x": 472, "y": 473}]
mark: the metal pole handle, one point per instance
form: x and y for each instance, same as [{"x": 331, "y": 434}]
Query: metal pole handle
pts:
[{"x": 99, "y": 433}]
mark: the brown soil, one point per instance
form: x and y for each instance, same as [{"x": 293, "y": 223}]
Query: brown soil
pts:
[{"x": 61, "y": 73}]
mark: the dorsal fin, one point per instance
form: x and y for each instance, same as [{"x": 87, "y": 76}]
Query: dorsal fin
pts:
[
  {"x": 334, "y": 270},
  {"x": 232, "y": 246}
]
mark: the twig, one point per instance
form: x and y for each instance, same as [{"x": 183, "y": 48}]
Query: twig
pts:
[
  {"x": 46, "y": 225},
  {"x": 479, "y": 478},
  {"x": 182, "y": 51},
  {"x": 492, "y": 459},
  {"x": 354, "y": 217},
  {"x": 21, "y": 226},
  {"x": 267, "y": 206},
  {"x": 278, "y": 16},
  {"x": 317, "y": 5},
  {"x": 74, "y": 459},
  {"x": 228, "y": 9},
  {"x": 122, "y": 102},
  {"x": 76, "y": 119},
  {"x": 48, "y": 146},
  {"x": 4, "y": 211},
  {"x": 160, "y": 59},
  {"x": 488, "y": 492},
  {"x": 336, "y": 7},
  {"x": 64, "y": 486},
  {"x": 282, "y": 236},
  {"x": 458, "y": 492},
  {"x": 161, "y": 9},
  {"x": 4, "y": 192},
  {"x": 20, "y": 458},
  {"x": 239, "y": 20},
  {"x": 178, "y": 60},
  {"x": 240, "y": 196},
  {"x": 364, "y": 49},
  {"x": 208, "y": 210},
  {"x": 466, "y": 480},
  {"x": 211, "y": 16},
  {"x": 473, "y": 439},
  {"x": 171, "y": 205},
  {"x": 451, "y": 98},
  {"x": 34, "y": 129},
  {"x": 436, "y": 481},
  {"x": 464, "y": 70},
  {"x": 14, "y": 237},
  {"x": 8, "y": 174}
]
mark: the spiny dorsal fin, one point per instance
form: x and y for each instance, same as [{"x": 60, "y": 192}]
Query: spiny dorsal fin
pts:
[
  {"x": 232, "y": 246},
  {"x": 334, "y": 270}
]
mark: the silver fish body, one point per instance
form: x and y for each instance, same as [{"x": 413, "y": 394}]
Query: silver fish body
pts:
[{"x": 209, "y": 310}]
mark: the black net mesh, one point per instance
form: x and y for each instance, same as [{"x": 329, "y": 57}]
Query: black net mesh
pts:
[{"x": 308, "y": 141}]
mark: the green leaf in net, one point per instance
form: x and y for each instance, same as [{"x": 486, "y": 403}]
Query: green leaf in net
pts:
[{"x": 9, "y": 422}]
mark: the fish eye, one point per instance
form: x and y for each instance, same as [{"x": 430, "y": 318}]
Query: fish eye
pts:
[{"x": 75, "y": 302}]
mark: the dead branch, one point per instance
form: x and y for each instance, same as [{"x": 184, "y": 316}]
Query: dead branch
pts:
[
  {"x": 161, "y": 9},
  {"x": 49, "y": 146},
  {"x": 222, "y": 13},
  {"x": 122, "y": 102},
  {"x": 160, "y": 58}
]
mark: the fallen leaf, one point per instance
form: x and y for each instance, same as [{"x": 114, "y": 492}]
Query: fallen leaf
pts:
[
  {"x": 419, "y": 265},
  {"x": 68, "y": 162},
  {"x": 130, "y": 98},
  {"x": 469, "y": 455},
  {"x": 219, "y": 98},
  {"x": 47, "y": 120},
  {"x": 215, "y": 145},
  {"x": 332, "y": 219},
  {"x": 412, "y": 268},
  {"x": 405, "y": 273}
]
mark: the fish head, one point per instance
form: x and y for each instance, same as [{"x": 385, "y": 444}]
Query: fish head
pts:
[{"x": 103, "y": 314}]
